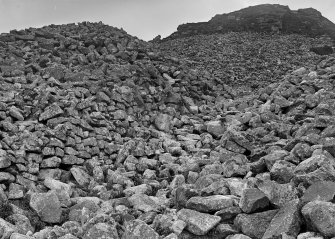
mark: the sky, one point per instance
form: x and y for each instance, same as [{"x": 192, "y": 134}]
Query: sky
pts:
[{"x": 142, "y": 18}]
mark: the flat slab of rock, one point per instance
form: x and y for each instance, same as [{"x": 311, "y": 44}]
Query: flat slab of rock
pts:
[
  {"x": 47, "y": 206},
  {"x": 210, "y": 204},
  {"x": 143, "y": 203},
  {"x": 51, "y": 112},
  {"x": 278, "y": 194},
  {"x": 138, "y": 229},
  {"x": 321, "y": 191},
  {"x": 198, "y": 223},
  {"x": 286, "y": 221},
  {"x": 320, "y": 216}
]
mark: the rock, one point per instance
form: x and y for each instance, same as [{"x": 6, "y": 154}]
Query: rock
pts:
[
  {"x": 15, "y": 113},
  {"x": 51, "y": 112},
  {"x": 16, "y": 191},
  {"x": 319, "y": 167},
  {"x": 6, "y": 177},
  {"x": 320, "y": 217},
  {"x": 81, "y": 176},
  {"x": 254, "y": 225},
  {"x": 320, "y": 191},
  {"x": 83, "y": 209},
  {"x": 183, "y": 194},
  {"x": 7, "y": 229},
  {"x": 47, "y": 206},
  {"x": 21, "y": 222},
  {"x": 306, "y": 235},
  {"x": 244, "y": 19},
  {"x": 102, "y": 230},
  {"x": 237, "y": 236},
  {"x": 287, "y": 221},
  {"x": 4, "y": 160},
  {"x": 282, "y": 171},
  {"x": 273, "y": 157},
  {"x": 210, "y": 203},
  {"x": 278, "y": 194},
  {"x": 20, "y": 236},
  {"x": 224, "y": 230},
  {"x": 253, "y": 200},
  {"x": 140, "y": 189},
  {"x": 143, "y": 202},
  {"x": 228, "y": 214},
  {"x": 215, "y": 128},
  {"x": 62, "y": 190},
  {"x": 137, "y": 229},
  {"x": 163, "y": 122},
  {"x": 322, "y": 50},
  {"x": 198, "y": 223}
]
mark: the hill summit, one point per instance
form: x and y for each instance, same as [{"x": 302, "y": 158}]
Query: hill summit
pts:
[{"x": 271, "y": 18}]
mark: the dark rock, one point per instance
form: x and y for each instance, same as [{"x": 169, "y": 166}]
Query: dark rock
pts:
[{"x": 253, "y": 200}]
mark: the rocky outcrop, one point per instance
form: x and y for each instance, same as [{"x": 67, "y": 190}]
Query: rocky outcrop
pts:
[{"x": 270, "y": 18}]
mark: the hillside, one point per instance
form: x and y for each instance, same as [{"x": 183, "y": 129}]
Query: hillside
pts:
[
  {"x": 103, "y": 135},
  {"x": 269, "y": 18},
  {"x": 246, "y": 61}
]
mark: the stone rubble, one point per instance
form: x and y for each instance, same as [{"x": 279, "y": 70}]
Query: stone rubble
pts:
[{"x": 101, "y": 136}]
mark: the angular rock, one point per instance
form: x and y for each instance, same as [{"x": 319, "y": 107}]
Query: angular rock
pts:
[
  {"x": 47, "y": 206},
  {"x": 210, "y": 203},
  {"x": 253, "y": 200},
  {"x": 51, "y": 112},
  {"x": 7, "y": 228},
  {"x": 215, "y": 128},
  {"x": 278, "y": 194},
  {"x": 198, "y": 223},
  {"x": 320, "y": 216},
  {"x": 320, "y": 191},
  {"x": 163, "y": 122},
  {"x": 138, "y": 229},
  {"x": 102, "y": 230},
  {"x": 143, "y": 203},
  {"x": 81, "y": 176},
  {"x": 254, "y": 225},
  {"x": 287, "y": 221}
]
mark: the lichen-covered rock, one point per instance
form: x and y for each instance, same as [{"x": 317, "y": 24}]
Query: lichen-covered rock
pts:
[
  {"x": 320, "y": 217},
  {"x": 51, "y": 112},
  {"x": 198, "y": 223},
  {"x": 287, "y": 221},
  {"x": 47, "y": 206},
  {"x": 210, "y": 203},
  {"x": 137, "y": 229}
]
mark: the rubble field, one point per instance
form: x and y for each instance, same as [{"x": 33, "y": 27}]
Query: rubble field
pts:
[{"x": 106, "y": 136}]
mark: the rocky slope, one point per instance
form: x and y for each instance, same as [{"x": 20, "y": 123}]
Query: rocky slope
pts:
[
  {"x": 103, "y": 137},
  {"x": 244, "y": 60},
  {"x": 270, "y": 18}
]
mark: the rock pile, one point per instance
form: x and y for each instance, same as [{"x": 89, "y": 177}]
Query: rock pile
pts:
[
  {"x": 245, "y": 60},
  {"x": 103, "y": 137}
]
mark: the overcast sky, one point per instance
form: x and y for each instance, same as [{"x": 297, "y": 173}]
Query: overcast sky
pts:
[{"x": 142, "y": 18}]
